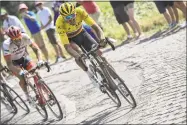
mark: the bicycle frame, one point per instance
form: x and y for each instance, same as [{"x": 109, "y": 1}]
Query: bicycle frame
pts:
[
  {"x": 37, "y": 84},
  {"x": 37, "y": 78},
  {"x": 98, "y": 61}
]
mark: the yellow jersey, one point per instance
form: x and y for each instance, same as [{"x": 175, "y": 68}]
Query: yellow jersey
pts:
[{"x": 65, "y": 30}]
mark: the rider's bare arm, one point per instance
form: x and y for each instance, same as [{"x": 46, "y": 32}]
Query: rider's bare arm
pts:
[
  {"x": 98, "y": 31},
  {"x": 68, "y": 46},
  {"x": 88, "y": 20},
  {"x": 50, "y": 19},
  {"x": 10, "y": 65},
  {"x": 65, "y": 41},
  {"x": 36, "y": 49}
]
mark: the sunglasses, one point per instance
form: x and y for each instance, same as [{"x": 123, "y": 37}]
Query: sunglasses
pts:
[
  {"x": 70, "y": 17},
  {"x": 16, "y": 39}
]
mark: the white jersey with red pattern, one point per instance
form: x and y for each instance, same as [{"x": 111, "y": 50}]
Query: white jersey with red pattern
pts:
[{"x": 16, "y": 52}]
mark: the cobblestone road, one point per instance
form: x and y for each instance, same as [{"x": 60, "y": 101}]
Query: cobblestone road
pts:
[{"x": 155, "y": 71}]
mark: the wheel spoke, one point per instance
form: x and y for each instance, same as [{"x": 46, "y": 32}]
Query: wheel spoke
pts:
[
  {"x": 16, "y": 98},
  {"x": 121, "y": 87},
  {"x": 99, "y": 74}
]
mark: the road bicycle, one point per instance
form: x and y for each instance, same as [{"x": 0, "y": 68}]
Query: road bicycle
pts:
[
  {"x": 106, "y": 76},
  {"x": 10, "y": 97},
  {"x": 40, "y": 95}
]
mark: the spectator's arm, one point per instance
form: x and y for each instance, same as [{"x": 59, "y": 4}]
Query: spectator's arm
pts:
[
  {"x": 44, "y": 26},
  {"x": 29, "y": 17}
]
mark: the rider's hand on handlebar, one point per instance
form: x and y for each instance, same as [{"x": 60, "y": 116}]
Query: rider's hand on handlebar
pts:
[
  {"x": 40, "y": 62},
  {"x": 23, "y": 72},
  {"x": 102, "y": 43}
]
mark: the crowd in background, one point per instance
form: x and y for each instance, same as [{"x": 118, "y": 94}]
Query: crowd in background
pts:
[{"x": 123, "y": 11}]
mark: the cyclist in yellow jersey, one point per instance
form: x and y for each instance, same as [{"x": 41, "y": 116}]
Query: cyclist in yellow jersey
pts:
[{"x": 69, "y": 25}]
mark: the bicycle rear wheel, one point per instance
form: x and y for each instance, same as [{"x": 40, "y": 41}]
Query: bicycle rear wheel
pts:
[
  {"x": 7, "y": 101},
  {"x": 16, "y": 98},
  {"x": 51, "y": 100},
  {"x": 121, "y": 87},
  {"x": 110, "y": 92},
  {"x": 33, "y": 93}
]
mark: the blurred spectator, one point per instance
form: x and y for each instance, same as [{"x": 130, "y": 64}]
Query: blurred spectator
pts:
[
  {"x": 1, "y": 41},
  {"x": 180, "y": 5},
  {"x": 45, "y": 17},
  {"x": 29, "y": 18},
  {"x": 92, "y": 9},
  {"x": 162, "y": 7},
  {"x": 129, "y": 8},
  {"x": 90, "y": 31},
  {"x": 55, "y": 8},
  {"x": 122, "y": 16},
  {"x": 9, "y": 20}
]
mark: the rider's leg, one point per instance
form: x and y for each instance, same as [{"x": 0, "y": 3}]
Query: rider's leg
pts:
[
  {"x": 23, "y": 86},
  {"x": 76, "y": 55},
  {"x": 29, "y": 64},
  {"x": 76, "y": 48}
]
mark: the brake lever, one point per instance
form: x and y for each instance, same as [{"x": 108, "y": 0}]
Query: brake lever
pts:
[{"x": 110, "y": 43}]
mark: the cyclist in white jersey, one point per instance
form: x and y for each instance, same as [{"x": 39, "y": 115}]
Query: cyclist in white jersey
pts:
[{"x": 15, "y": 54}]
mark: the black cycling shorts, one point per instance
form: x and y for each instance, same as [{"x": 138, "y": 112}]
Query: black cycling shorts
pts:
[
  {"x": 120, "y": 14},
  {"x": 161, "y": 5},
  {"x": 24, "y": 62},
  {"x": 84, "y": 40}
]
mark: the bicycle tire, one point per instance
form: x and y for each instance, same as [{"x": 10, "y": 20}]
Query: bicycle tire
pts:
[
  {"x": 9, "y": 90},
  {"x": 15, "y": 110},
  {"x": 110, "y": 92},
  {"x": 112, "y": 73},
  {"x": 45, "y": 115},
  {"x": 60, "y": 116}
]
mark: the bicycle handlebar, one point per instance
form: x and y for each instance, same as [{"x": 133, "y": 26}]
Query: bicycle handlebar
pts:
[
  {"x": 38, "y": 67},
  {"x": 110, "y": 43},
  {"x": 96, "y": 47}
]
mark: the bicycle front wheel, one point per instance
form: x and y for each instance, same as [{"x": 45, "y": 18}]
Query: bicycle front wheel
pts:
[
  {"x": 36, "y": 97},
  {"x": 16, "y": 98},
  {"x": 109, "y": 91},
  {"x": 51, "y": 100},
  {"x": 121, "y": 87},
  {"x": 7, "y": 101}
]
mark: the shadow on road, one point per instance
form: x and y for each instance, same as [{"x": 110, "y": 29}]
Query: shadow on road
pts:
[
  {"x": 106, "y": 115},
  {"x": 7, "y": 119},
  {"x": 158, "y": 35},
  {"x": 161, "y": 34},
  {"x": 17, "y": 119}
]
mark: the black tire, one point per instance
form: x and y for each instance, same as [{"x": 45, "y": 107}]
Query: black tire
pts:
[
  {"x": 8, "y": 99},
  {"x": 40, "y": 107},
  {"x": 121, "y": 86},
  {"x": 52, "y": 102},
  {"x": 110, "y": 92},
  {"x": 110, "y": 88},
  {"x": 16, "y": 98}
]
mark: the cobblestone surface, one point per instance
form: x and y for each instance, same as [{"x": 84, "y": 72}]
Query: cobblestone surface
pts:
[
  {"x": 162, "y": 95},
  {"x": 154, "y": 70}
]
